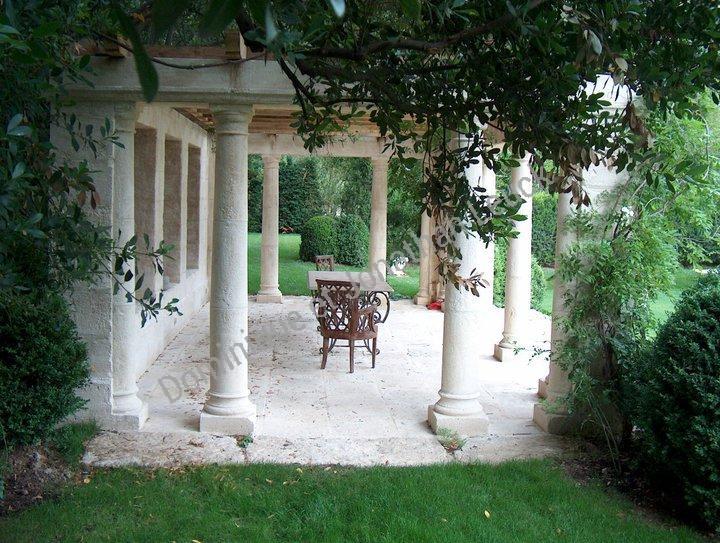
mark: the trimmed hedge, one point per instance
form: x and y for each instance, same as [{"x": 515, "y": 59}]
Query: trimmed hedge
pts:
[
  {"x": 673, "y": 398},
  {"x": 42, "y": 364},
  {"x": 299, "y": 192},
  {"x": 544, "y": 228},
  {"x": 318, "y": 237},
  {"x": 353, "y": 238},
  {"x": 537, "y": 277}
]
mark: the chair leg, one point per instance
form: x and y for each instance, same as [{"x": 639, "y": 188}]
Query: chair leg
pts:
[
  {"x": 374, "y": 350},
  {"x": 324, "y": 353},
  {"x": 352, "y": 355}
]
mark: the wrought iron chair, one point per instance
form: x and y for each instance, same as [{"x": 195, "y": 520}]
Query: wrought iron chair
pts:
[
  {"x": 325, "y": 262},
  {"x": 342, "y": 317}
]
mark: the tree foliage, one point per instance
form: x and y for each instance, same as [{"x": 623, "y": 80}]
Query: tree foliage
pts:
[{"x": 426, "y": 72}]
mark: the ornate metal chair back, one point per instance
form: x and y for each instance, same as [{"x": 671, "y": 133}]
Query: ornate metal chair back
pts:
[
  {"x": 338, "y": 305},
  {"x": 325, "y": 262}
]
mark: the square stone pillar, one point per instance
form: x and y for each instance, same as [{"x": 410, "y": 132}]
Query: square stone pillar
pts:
[
  {"x": 228, "y": 409},
  {"x": 518, "y": 268},
  {"x": 378, "y": 218},
  {"x": 269, "y": 255}
]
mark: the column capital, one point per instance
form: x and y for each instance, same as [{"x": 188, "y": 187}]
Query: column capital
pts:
[
  {"x": 232, "y": 118},
  {"x": 126, "y": 115},
  {"x": 271, "y": 161},
  {"x": 380, "y": 162}
]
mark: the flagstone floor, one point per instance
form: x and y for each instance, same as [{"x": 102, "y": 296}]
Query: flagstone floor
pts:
[{"x": 313, "y": 416}]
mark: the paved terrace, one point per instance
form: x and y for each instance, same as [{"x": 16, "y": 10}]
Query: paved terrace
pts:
[{"x": 312, "y": 416}]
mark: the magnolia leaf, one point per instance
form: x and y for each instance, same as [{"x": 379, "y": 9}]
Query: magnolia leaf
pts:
[
  {"x": 271, "y": 30},
  {"x": 219, "y": 14},
  {"x": 144, "y": 66},
  {"x": 338, "y": 7}
]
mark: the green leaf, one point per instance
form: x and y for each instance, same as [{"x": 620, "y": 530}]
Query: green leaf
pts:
[
  {"x": 338, "y": 7},
  {"x": 145, "y": 69},
  {"x": 271, "y": 30},
  {"x": 219, "y": 14},
  {"x": 15, "y": 121},
  {"x": 166, "y": 12},
  {"x": 411, "y": 8}
]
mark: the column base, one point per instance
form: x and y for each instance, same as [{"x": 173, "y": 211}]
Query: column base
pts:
[
  {"x": 231, "y": 425},
  {"x": 269, "y": 297},
  {"x": 506, "y": 354},
  {"x": 560, "y": 423},
  {"x": 542, "y": 388},
  {"x": 130, "y": 420},
  {"x": 466, "y": 425},
  {"x": 422, "y": 300}
]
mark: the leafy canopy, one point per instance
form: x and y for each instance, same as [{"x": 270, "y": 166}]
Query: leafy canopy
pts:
[{"x": 428, "y": 71}]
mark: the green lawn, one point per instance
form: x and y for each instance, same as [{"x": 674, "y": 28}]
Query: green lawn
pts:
[
  {"x": 661, "y": 308},
  {"x": 293, "y": 272},
  {"x": 525, "y": 501}
]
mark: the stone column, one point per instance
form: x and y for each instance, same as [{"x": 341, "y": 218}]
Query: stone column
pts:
[
  {"x": 228, "y": 409},
  {"x": 459, "y": 407},
  {"x": 130, "y": 411},
  {"x": 378, "y": 217},
  {"x": 269, "y": 285},
  {"x": 424, "y": 296},
  {"x": 518, "y": 268},
  {"x": 557, "y": 385}
]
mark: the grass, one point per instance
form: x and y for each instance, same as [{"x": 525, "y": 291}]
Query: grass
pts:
[
  {"x": 69, "y": 440},
  {"x": 293, "y": 272},
  {"x": 661, "y": 308},
  {"x": 515, "y": 501}
]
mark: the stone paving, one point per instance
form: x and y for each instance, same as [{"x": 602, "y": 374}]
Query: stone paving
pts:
[{"x": 312, "y": 416}]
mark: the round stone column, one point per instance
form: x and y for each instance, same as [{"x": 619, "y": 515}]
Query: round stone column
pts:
[
  {"x": 228, "y": 409},
  {"x": 459, "y": 408},
  {"x": 426, "y": 250},
  {"x": 378, "y": 218},
  {"x": 518, "y": 268},
  {"x": 130, "y": 412},
  {"x": 269, "y": 284}
]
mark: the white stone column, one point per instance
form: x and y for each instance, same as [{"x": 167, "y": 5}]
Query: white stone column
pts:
[
  {"x": 424, "y": 296},
  {"x": 129, "y": 410},
  {"x": 459, "y": 407},
  {"x": 228, "y": 409},
  {"x": 518, "y": 268},
  {"x": 378, "y": 217},
  {"x": 269, "y": 283}
]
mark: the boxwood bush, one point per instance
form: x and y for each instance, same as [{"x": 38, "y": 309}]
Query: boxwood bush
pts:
[
  {"x": 543, "y": 228},
  {"x": 674, "y": 402},
  {"x": 353, "y": 238},
  {"x": 318, "y": 237},
  {"x": 42, "y": 364},
  {"x": 537, "y": 277}
]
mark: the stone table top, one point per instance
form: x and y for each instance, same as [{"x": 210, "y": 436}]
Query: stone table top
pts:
[{"x": 369, "y": 282}]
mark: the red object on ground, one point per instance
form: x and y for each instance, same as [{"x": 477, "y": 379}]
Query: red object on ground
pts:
[{"x": 436, "y": 305}]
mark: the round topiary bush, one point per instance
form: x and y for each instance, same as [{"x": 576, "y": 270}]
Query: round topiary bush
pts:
[
  {"x": 353, "y": 238},
  {"x": 537, "y": 281},
  {"x": 42, "y": 364},
  {"x": 318, "y": 237},
  {"x": 674, "y": 402}
]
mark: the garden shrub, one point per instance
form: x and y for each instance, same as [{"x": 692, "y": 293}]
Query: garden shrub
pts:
[
  {"x": 318, "y": 237},
  {"x": 537, "y": 277},
  {"x": 674, "y": 400},
  {"x": 353, "y": 238},
  {"x": 42, "y": 364},
  {"x": 544, "y": 217}
]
